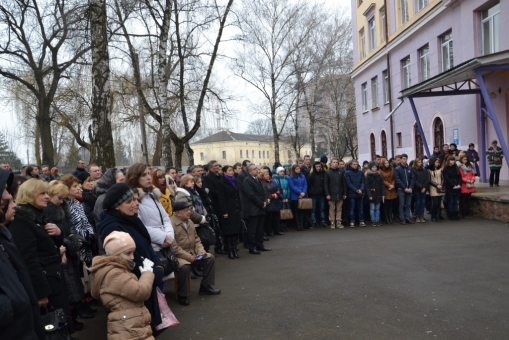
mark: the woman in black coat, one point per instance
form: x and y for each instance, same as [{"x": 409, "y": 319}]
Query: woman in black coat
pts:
[
  {"x": 230, "y": 214},
  {"x": 39, "y": 244},
  {"x": 120, "y": 214},
  {"x": 452, "y": 178},
  {"x": 58, "y": 212}
]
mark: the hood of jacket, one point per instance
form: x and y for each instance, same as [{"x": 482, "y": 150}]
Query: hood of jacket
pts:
[
  {"x": 106, "y": 181},
  {"x": 29, "y": 212},
  {"x": 314, "y": 167},
  {"x": 183, "y": 191},
  {"x": 100, "y": 267},
  {"x": 463, "y": 167},
  {"x": 370, "y": 172},
  {"x": 142, "y": 193}
]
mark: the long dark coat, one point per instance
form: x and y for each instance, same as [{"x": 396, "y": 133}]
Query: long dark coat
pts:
[
  {"x": 254, "y": 198},
  {"x": 41, "y": 254},
  {"x": 61, "y": 216},
  {"x": 229, "y": 197},
  {"x": 374, "y": 186},
  {"x": 452, "y": 178}
]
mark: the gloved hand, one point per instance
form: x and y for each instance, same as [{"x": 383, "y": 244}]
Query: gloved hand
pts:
[{"x": 147, "y": 266}]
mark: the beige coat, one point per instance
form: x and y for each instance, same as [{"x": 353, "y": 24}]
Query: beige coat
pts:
[
  {"x": 124, "y": 294},
  {"x": 436, "y": 177},
  {"x": 186, "y": 243}
]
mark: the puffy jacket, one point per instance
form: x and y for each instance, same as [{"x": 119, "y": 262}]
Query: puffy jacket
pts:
[
  {"x": 297, "y": 185},
  {"x": 123, "y": 294},
  {"x": 334, "y": 184},
  {"x": 316, "y": 180},
  {"x": 354, "y": 181},
  {"x": 284, "y": 188},
  {"x": 421, "y": 178},
  {"x": 404, "y": 177},
  {"x": 165, "y": 200},
  {"x": 467, "y": 174},
  {"x": 154, "y": 217},
  {"x": 375, "y": 188}
]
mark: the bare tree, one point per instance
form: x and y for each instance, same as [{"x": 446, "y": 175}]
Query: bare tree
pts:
[
  {"x": 40, "y": 41},
  {"x": 261, "y": 127},
  {"x": 271, "y": 33}
]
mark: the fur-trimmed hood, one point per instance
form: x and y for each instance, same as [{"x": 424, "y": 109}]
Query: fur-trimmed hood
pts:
[
  {"x": 29, "y": 212},
  {"x": 142, "y": 193},
  {"x": 183, "y": 191},
  {"x": 99, "y": 271}
]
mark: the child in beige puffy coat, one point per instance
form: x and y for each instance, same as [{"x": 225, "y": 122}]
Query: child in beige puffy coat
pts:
[{"x": 120, "y": 290}]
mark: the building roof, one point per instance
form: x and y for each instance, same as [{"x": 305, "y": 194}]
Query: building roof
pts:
[
  {"x": 226, "y": 136},
  {"x": 460, "y": 73}
]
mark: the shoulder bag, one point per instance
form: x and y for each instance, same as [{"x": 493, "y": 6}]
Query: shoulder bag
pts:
[{"x": 55, "y": 324}]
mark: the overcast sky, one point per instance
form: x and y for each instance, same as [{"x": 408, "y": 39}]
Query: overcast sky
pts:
[{"x": 235, "y": 86}]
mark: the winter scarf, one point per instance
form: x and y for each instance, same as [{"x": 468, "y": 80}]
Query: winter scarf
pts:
[{"x": 231, "y": 180}]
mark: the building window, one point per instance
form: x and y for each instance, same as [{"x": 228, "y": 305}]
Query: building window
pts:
[
  {"x": 202, "y": 156},
  {"x": 268, "y": 155},
  {"x": 252, "y": 153},
  {"x": 447, "y": 55},
  {"x": 383, "y": 22},
  {"x": 263, "y": 154},
  {"x": 372, "y": 34},
  {"x": 490, "y": 29},
  {"x": 364, "y": 91},
  {"x": 383, "y": 137},
  {"x": 403, "y": 11},
  {"x": 421, "y": 4},
  {"x": 247, "y": 153},
  {"x": 289, "y": 155},
  {"x": 259, "y": 154},
  {"x": 224, "y": 154},
  {"x": 362, "y": 42},
  {"x": 374, "y": 92},
  {"x": 373, "y": 146},
  {"x": 419, "y": 145},
  {"x": 407, "y": 76},
  {"x": 385, "y": 75},
  {"x": 438, "y": 130},
  {"x": 398, "y": 139},
  {"x": 424, "y": 67},
  {"x": 240, "y": 153}
]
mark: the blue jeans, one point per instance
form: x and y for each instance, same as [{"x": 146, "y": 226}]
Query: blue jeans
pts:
[
  {"x": 420, "y": 202},
  {"x": 405, "y": 200},
  {"x": 359, "y": 202},
  {"x": 374, "y": 211},
  {"x": 318, "y": 206},
  {"x": 452, "y": 204}
]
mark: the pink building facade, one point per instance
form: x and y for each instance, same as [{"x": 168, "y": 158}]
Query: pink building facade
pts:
[{"x": 428, "y": 52}]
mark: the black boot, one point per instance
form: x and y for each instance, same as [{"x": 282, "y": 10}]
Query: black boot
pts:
[
  {"x": 234, "y": 246},
  {"x": 228, "y": 244}
]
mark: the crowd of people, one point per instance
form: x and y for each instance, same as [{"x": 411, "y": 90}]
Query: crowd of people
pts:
[{"x": 67, "y": 241}]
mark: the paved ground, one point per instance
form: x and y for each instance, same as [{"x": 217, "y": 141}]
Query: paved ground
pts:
[{"x": 433, "y": 281}]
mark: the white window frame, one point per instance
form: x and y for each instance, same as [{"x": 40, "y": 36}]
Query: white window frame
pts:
[
  {"x": 224, "y": 154},
  {"x": 424, "y": 63},
  {"x": 202, "y": 156},
  {"x": 385, "y": 76},
  {"x": 362, "y": 42},
  {"x": 403, "y": 12},
  {"x": 446, "y": 48},
  {"x": 383, "y": 18},
  {"x": 493, "y": 20},
  {"x": 372, "y": 33},
  {"x": 364, "y": 93},
  {"x": 421, "y": 4},
  {"x": 406, "y": 73},
  {"x": 374, "y": 93}
]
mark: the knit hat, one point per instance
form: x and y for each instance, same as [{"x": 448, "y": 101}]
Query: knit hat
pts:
[
  {"x": 180, "y": 205},
  {"x": 372, "y": 164},
  {"x": 116, "y": 195},
  {"x": 82, "y": 176},
  {"x": 118, "y": 242},
  {"x": 279, "y": 169},
  {"x": 324, "y": 159}
]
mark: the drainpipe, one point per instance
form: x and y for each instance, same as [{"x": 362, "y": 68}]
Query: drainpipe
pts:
[{"x": 391, "y": 122}]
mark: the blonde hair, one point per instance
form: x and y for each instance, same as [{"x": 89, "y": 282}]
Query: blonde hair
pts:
[
  {"x": 58, "y": 188},
  {"x": 186, "y": 179},
  {"x": 29, "y": 190}
]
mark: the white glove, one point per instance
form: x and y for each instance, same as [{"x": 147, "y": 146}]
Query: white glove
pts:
[{"x": 147, "y": 266}]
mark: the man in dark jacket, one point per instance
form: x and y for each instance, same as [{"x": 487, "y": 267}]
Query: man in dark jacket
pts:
[
  {"x": 335, "y": 192},
  {"x": 405, "y": 182},
  {"x": 254, "y": 204},
  {"x": 80, "y": 167},
  {"x": 240, "y": 179},
  {"x": 19, "y": 308},
  {"x": 211, "y": 182},
  {"x": 316, "y": 192},
  {"x": 354, "y": 179}
]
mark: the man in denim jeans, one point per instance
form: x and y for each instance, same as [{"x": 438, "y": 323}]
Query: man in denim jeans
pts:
[
  {"x": 405, "y": 182},
  {"x": 354, "y": 179}
]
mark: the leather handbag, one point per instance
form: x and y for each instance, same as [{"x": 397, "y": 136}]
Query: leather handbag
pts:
[
  {"x": 206, "y": 235},
  {"x": 55, "y": 324},
  {"x": 305, "y": 204},
  {"x": 285, "y": 213},
  {"x": 169, "y": 260},
  {"x": 469, "y": 185}
]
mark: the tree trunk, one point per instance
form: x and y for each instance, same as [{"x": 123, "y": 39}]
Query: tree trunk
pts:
[
  {"x": 179, "y": 150},
  {"x": 190, "y": 153},
  {"x": 37, "y": 145},
  {"x": 103, "y": 139},
  {"x": 44, "y": 124},
  {"x": 158, "y": 152}
]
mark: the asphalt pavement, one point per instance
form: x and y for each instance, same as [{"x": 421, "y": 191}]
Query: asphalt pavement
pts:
[{"x": 447, "y": 280}]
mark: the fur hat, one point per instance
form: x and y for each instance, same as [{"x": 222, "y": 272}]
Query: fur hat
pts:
[
  {"x": 116, "y": 195},
  {"x": 82, "y": 176},
  {"x": 118, "y": 242},
  {"x": 279, "y": 169}
]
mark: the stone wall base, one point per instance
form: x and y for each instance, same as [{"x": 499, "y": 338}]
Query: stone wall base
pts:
[{"x": 492, "y": 210}]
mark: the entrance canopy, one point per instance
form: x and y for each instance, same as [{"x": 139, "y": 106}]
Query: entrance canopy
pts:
[{"x": 465, "y": 78}]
